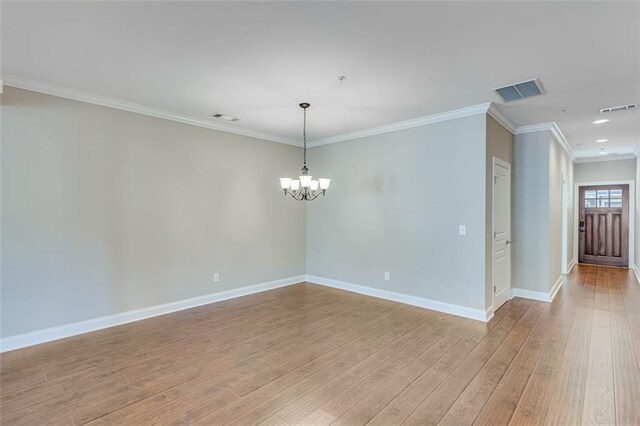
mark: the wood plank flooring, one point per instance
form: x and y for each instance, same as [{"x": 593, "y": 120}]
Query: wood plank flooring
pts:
[{"x": 312, "y": 355}]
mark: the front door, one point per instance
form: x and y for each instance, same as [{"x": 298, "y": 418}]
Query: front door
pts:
[
  {"x": 501, "y": 232},
  {"x": 604, "y": 225}
]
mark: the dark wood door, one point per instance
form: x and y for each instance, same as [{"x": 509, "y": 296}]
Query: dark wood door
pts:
[{"x": 604, "y": 225}]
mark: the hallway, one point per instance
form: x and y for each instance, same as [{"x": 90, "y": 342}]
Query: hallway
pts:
[{"x": 589, "y": 370}]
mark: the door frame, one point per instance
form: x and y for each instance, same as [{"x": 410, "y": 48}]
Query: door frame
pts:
[
  {"x": 497, "y": 161},
  {"x": 631, "y": 213}
]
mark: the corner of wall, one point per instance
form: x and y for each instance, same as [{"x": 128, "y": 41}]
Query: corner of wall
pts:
[
  {"x": 531, "y": 196},
  {"x": 637, "y": 218},
  {"x": 636, "y": 272}
]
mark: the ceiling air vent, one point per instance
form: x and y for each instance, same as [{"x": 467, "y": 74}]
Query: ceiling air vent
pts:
[
  {"x": 524, "y": 89},
  {"x": 224, "y": 117},
  {"x": 619, "y": 108}
]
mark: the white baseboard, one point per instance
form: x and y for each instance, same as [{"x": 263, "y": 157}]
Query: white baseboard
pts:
[
  {"x": 68, "y": 330},
  {"x": 555, "y": 289},
  {"x": 530, "y": 294},
  {"x": 637, "y": 272},
  {"x": 489, "y": 314},
  {"x": 571, "y": 265},
  {"x": 462, "y": 311},
  {"x": 538, "y": 295}
]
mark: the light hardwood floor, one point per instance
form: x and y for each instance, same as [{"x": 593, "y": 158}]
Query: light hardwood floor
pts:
[{"x": 312, "y": 355}]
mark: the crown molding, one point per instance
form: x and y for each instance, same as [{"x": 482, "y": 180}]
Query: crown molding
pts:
[
  {"x": 78, "y": 95},
  {"x": 500, "y": 118},
  {"x": 555, "y": 131},
  {"x": 540, "y": 127},
  {"x": 605, "y": 158},
  {"x": 401, "y": 125},
  {"x": 81, "y": 96}
]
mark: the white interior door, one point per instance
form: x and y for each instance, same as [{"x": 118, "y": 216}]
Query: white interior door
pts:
[{"x": 501, "y": 232}]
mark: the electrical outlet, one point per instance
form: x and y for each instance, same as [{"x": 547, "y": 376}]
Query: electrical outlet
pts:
[
  {"x": 462, "y": 229},
  {"x": 216, "y": 277},
  {"x": 387, "y": 276}
]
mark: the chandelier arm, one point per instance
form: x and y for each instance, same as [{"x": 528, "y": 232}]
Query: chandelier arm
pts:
[
  {"x": 295, "y": 195},
  {"x": 316, "y": 195},
  {"x": 304, "y": 195}
]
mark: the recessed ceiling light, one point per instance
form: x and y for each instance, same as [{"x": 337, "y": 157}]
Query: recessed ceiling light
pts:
[
  {"x": 603, "y": 153},
  {"x": 602, "y": 140},
  {"x": 601, "y": 121}
]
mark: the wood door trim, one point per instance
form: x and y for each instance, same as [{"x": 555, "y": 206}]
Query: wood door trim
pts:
[
  {"x": 576, "y": 215},
  {"x": 590, "y": 231}
]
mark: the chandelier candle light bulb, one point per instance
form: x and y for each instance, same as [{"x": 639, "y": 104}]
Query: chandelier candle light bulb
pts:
[
  {"x": 305, "y": 181},
  {"x": 305, "y": 188},
  {"x": 285, "y": 183}
]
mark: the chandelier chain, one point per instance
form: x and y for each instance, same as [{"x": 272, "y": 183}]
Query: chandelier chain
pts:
[{"x": 304, "y": 135}]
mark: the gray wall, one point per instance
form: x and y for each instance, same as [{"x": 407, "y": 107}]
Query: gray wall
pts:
[
  {"x": 602, "y": 171},
  {"x": 500, "y": 145},
  {"x": 105, "y": 211},
  {"x": 395, "y": 205},
  {"x": 560, "y": 166},
  {"x": 636, "y": 212},
  {"x": 637, "y": 218},
  {"x": 531, "y": 206},
  {"x": 540, "y": 165}
]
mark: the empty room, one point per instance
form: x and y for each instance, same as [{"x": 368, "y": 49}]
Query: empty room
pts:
[{"x": 287, "y": 213}]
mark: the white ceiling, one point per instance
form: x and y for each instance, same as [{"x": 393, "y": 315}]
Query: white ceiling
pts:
[{"x": 257, "y": 61}]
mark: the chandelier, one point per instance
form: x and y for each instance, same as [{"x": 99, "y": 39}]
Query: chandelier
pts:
[{"x": 305, "y": 188}]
